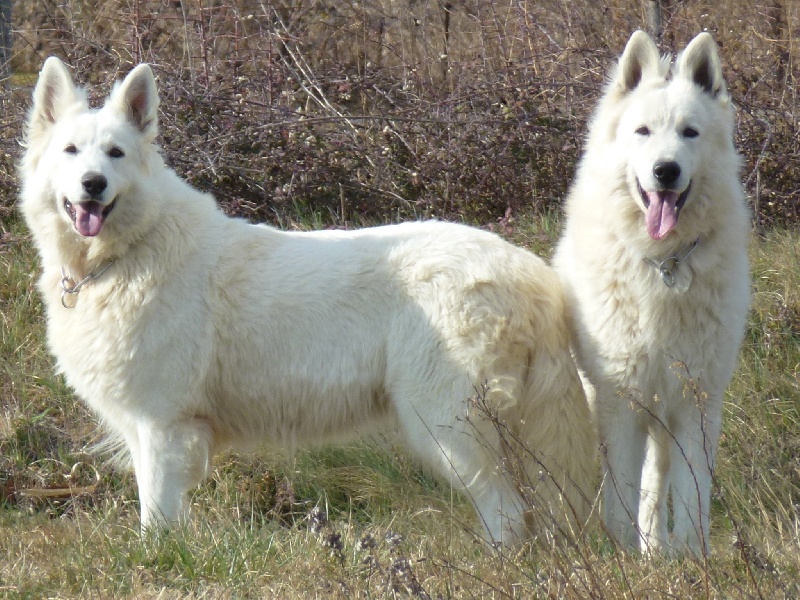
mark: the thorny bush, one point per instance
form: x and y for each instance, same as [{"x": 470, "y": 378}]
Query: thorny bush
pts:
[{"x": 384, "y": 110}]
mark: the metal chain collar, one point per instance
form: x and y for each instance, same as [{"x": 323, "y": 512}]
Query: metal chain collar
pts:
[
  {"x": 667, "y": 267},
  {"x": 70, "y": 289}
]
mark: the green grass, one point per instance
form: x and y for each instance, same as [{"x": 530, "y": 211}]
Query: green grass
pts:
[{"x": 390, "y": 530}]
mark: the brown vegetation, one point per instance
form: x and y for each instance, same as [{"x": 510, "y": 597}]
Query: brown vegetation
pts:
[
  {"x": 389, "y": 109},
  {"x": 337, "y": 113}
]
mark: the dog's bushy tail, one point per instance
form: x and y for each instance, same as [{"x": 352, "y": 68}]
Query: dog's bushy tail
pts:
[{"x": 550, "y": 439}]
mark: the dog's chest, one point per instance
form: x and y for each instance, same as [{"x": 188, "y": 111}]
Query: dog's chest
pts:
[
  {"x": 104, "y": 344},
  {"x": 625, "y": 307}
]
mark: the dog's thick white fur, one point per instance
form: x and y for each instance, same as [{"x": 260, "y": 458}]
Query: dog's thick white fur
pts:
[
  {"x": 659, "y": 173},
  {"x": 195, "y": 331}
]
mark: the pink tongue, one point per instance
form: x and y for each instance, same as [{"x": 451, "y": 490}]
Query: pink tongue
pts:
[
  {"x": 662, "y": 213},
  {"x": 89, "y": 218}
]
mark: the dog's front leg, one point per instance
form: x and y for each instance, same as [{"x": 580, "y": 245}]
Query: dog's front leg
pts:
[
  {"x": 172, "y": 459},
  {"x": 655, "y": 489},
  {"x": 623, "y": 437},
  {"x": 694, "y": 455}
]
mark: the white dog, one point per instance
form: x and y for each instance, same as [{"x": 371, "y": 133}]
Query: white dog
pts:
[
  {"x": 654, "y": 261},
  {"x": 187, "y": 331}
]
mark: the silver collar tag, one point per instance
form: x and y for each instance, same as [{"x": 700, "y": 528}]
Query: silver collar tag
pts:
[{"x": 667, "y": 267}]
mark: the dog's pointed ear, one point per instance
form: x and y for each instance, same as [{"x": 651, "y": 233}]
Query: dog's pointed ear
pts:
[
  {"x": 137, "y": 98},
  {"x": 639, "y": 60},
  {"x": 700, "y": 63},
  {"x": 54, "y": 93}
]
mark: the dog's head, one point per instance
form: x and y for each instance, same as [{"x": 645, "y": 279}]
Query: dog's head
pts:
[
  {"x": 82, "y": 162},
  {"x": 671, "y": 126}
]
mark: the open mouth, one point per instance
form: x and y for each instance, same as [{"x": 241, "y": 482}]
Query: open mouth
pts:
[
  {"x": 662, "y": 209},
  {"x": 681, "y": 198},
  {"x": 88, "y": 217}
]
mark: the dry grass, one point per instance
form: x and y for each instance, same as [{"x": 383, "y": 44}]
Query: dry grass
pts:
[
  {"x": 314, "y": 114},
  {"x": 364, "y": 521}
]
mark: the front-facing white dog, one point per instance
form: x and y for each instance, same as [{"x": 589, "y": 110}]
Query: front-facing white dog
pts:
[
  {"x": 654, "y": 260},
  {"x": 187, "y": 331}
]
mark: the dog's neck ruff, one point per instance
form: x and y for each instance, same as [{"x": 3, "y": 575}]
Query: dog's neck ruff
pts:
[
  {"x": 70, "y": 289},
  {"x": 667, "y": 267}
]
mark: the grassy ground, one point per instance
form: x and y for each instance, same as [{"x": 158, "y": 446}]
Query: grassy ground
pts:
[
  {"x": 364, "y": 521},
  {"x": 467, "y": 110}
]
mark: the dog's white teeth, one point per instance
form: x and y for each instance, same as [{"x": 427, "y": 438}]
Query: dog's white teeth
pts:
[{"x": 70, "y": 208}]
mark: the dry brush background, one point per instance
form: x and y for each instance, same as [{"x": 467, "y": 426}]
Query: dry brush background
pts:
[
  {"x": 322, "y": 113},
  {"x": 385, "y": 109}
]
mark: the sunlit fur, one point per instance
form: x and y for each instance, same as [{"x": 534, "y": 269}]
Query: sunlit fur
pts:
[
  {"x": 207, "y": 332},
  {"x": 657, "y": 359}
]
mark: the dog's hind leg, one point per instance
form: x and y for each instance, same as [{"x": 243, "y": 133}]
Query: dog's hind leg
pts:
[
  {"x": 500, "y": 509},
  {"x": 467, "y": 451},
  {"x": 171, "y": 460}
]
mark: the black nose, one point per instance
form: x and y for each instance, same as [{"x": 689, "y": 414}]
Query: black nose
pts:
[
  {"x": 94, "y": 183},
  {"x": 667, "y": 172}
]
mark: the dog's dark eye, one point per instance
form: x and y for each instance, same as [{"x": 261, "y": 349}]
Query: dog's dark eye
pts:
[
  {"x": 690, "y": 132},
  {"x": 71, "y": 149},
  {"x": 643, "y": 130},
  {"x": 116, "y": 152}
]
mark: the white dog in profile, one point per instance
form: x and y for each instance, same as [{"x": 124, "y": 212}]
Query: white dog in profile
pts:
[
  {"x": 187, "y": 331},
  {"x": 654, "y": 260}
]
